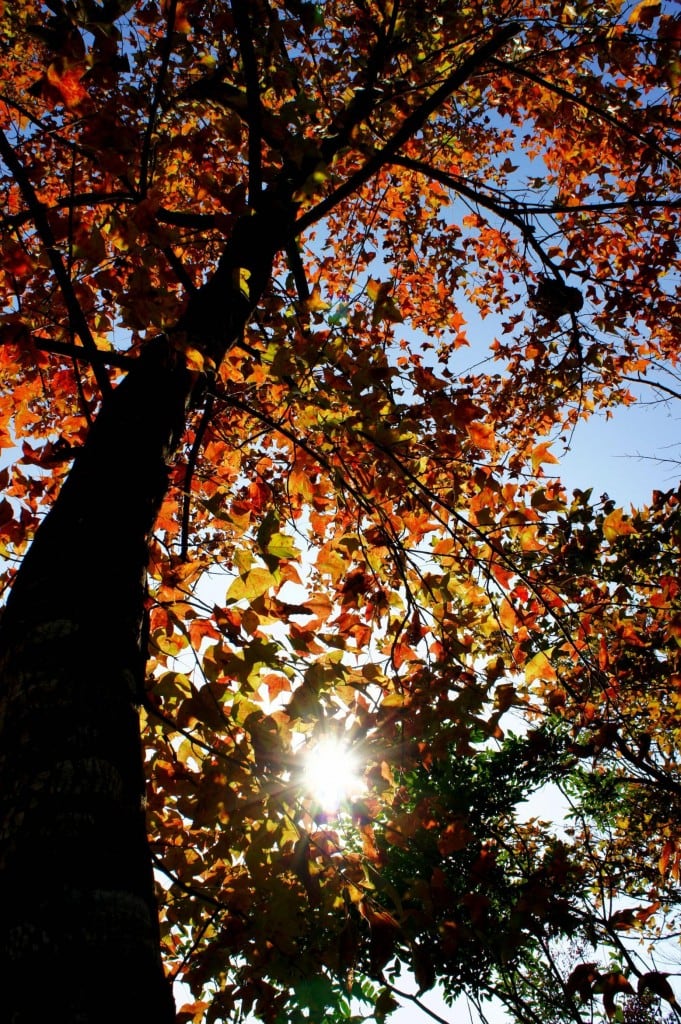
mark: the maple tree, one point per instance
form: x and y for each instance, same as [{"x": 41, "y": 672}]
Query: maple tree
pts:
[{"x": 267, "y": 480}]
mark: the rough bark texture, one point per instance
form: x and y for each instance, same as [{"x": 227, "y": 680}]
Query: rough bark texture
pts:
[{"x": 79, "y": 938}]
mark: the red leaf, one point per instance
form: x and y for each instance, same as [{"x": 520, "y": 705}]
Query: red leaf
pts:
[
  {"x": 657, "y": 982},
  {"x": 581, "y": 981}
]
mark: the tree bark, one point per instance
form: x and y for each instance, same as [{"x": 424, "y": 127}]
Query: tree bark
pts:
[{"x": 79, "y": 939}]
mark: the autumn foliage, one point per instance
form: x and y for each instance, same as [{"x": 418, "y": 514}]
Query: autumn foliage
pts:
[{"x": 300, "y": 306}]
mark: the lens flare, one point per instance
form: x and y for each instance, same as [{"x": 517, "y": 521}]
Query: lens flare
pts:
[{"x": 331, "y": 774}]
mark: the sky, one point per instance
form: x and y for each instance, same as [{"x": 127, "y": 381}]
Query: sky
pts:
[{"x": 629, "y": 455}]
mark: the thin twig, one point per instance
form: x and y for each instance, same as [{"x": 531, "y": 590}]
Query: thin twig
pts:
[
  {"x": 655, "y": 384},
  {"x": 84, "y": 404},
  {"x": 118, "y": 359},
  {"x": 417, "y": 1002},
  {"x": 179, "y": 270}
]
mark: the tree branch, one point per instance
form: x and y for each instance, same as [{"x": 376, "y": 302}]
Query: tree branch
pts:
[
  {"x": 179, "y": 270},
  {"x": 86, "y": 199},
  {"x": 254, "y": 105},
  {"x": 83, "y": 355},
  {"x": 630, "y": 203},
  {"x": 417, "y": 1002},
  {"x": 42, "y": 225},
  {"x": 182, "y": 219},
  {"x": 454, "y": 183},
  {"x": 362, "y": 103},
  {"x": 189, "y": 474},
  {"x": 655, "y": 384},
  {"x": 411, "y": 124}
]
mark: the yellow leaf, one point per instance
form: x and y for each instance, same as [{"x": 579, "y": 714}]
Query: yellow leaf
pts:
[
  {"x": 529, "y": 539},
  {"x": 195, "y": 359},
  {"x": 387, "y": 310},
  {"x": 241, "y": 277},
  {"x": 540, "y": 667},
  {"x": 316, "y": 303},
  {"x": 645, "y": 12},
  {"x": 280, "y": 545},
  {"x": 256, "y": 583},
  {"x": 615, "y": 525},
  {"x": 172, "y": 645},
  {"x": 385, "y": 307},
  {"x": 374, "y": 289}
]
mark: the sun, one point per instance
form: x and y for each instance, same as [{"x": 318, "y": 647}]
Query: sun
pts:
[{"x": 331, "y": 774}]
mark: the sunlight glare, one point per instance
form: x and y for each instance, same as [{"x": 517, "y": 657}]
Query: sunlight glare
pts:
[{"x": 331, "y": 774}]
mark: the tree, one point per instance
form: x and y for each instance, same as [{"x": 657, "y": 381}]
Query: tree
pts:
[{"x": 237, "y": 241}]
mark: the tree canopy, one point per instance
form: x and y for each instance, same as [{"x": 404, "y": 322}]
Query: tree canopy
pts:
[{"x": 301, "y": 304}]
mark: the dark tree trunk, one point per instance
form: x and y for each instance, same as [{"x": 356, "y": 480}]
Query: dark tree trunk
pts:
[{"x": 79, "y": 939}]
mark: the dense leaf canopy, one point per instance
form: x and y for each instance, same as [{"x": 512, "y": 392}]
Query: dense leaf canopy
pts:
[{"x": 393, "y": 252}]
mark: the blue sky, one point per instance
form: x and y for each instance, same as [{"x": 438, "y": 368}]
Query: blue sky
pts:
[{"x": 628, "y": 455}]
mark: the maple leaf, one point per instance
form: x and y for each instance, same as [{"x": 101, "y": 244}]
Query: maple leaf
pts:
[
  {"x": 609, "y": 985},
  {"x": 615, "y": 525},
  {"x": 656, "y": 982},
  {"x": 482, "y": 435},
  {"x": 540, "y": 668},
  {"x": 542, "y": 454},
  {"x": 644, "y": 13},
  {"x": 385, "y": 933},
  {"x": 385, "y": 308},
  {"x": 581, "y": 980},
  {"x": 65, "y": 79}
]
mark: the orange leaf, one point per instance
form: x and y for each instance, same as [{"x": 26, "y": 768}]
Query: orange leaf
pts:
[
  {"x": 456, "y": 836},
  {"x": 192, "y": 1012},
  {"x": 507, "y": 615},
  {"x": 609, "y": 985},
  {"x": 66, "y": 79},
  {"x": 482, "y": 435},
  {"x": 645, "y": 913},
  {"x": 622, "y": 920},
  {"x": 385, "y": 932},
  {"x": 669, "y": 854},
  {"x": 542, "y": 454}
]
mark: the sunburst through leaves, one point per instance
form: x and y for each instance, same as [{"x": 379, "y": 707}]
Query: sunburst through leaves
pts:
[{"x": 331, "y": 775}]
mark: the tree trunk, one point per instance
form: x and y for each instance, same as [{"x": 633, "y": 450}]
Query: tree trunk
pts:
[{"x": 79, "y": 939}]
